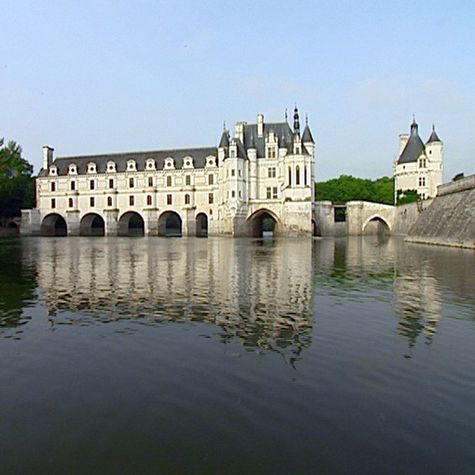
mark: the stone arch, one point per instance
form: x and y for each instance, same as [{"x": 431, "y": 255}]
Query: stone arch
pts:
[
  {"x": 92, "y": 224},
  {"x": 54, "y": 225},
  {"x": 316, "y": 231},
  {"x": 263, "y": 223},
  {"x": 376, "y": 224},
  {"x": 170, "y": 224},
  {"x": 201, "y": 225},
  {"x": 131, "y": 223}
]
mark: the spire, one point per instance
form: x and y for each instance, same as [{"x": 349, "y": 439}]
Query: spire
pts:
[
  {"x": 433, "y": 136},
  {"x": 286, "y": 118},
  {"x": 296, "y": 121},
  {"x": 306, "y": 120},
  {"x": 414, "y": 126},
  {"x": 224, "y": 142}
]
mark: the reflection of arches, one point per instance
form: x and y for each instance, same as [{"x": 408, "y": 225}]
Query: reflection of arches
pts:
[
  {"x": 54, "y": 225},
  {"x": 92, "y": 225},
  {"x": 131, "y": 224},
  {"x": 263, "y": 223},
  {"x": 202, "y": 225},
  {"x": 376, "y": 225},
  {"x": 169, "y": 224}
]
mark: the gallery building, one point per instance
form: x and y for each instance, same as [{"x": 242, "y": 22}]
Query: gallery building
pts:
[{"x": 259, "y": 179}]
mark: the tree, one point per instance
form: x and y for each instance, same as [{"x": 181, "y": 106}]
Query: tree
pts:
[
  {"x": 16, "y": 181},
  {"x": 349, "y": 188}
]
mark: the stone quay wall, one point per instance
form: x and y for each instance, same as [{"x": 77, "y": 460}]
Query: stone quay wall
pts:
[{"x": 450, "y": 219}]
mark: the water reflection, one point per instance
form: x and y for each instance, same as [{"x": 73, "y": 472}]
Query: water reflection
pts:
[{"x": 260, "y": 292}]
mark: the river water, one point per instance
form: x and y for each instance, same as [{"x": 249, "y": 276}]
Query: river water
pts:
[{"x": 220, "y": 355}]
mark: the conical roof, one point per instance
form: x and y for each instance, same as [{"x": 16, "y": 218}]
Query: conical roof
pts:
[
  {"x": 307, "y": 135},
  {"x": 413, "y": 148},
  {"x": 433, "y": 136},
  {"x": 224, "y": 142}
]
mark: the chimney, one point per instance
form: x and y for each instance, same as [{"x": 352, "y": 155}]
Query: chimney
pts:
[
  {"x": 403, "y": 138},
  {"x": 239, "y": 131},
  {"x": 260, "y": 125},
  {"x": 47, "y": 156}
]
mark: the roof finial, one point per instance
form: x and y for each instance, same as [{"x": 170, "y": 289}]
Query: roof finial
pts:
[
  {"x": 306, "y": 119},
  {"x": 224, "y": 125},
  {"x": 286, "y": 114},
  {"x": 413, "y": 118},
  {"x": 433, "y": 127},
  {"x": 296, "y": 120}
]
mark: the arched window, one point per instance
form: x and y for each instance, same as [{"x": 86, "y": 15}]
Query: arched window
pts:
[
  {"x": 187, "y": 199},
  {"x": 70, "y": 202},
  {"x": 305, "y": 181},
  {"x": 149, "y": 200},
  {"x": 109, "y": 201},
  {"x": 290, "y": 176},
  {"x": 297, "y": 175},
  {"x": 169, "y": 181},
  {"x": 131, "y": 200}
]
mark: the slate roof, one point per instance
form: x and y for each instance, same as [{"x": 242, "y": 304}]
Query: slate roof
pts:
[
  {"x": 433, "y": 136},
  {"x": 414, "y": 147},
  {"x": 281, "y": 130},
  {"x": 120, "y": 159},
  {"x": 307, "y": 135}
]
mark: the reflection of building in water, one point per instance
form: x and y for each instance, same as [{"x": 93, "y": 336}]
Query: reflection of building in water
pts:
[{"x": 258, "y": 292}]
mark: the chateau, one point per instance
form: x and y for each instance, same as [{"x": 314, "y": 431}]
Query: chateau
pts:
[
  {"x": 260, "y": 179},
  {"x": 419, "y": 165}
]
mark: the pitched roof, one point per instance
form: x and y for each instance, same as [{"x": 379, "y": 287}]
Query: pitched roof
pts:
[
  {"x": 433, "y": 136},
  {"x": 307, "y": 135},
  {"x": 224, "y": 142},
  {"x": 413, "y": 148},
  {"x": 281, "y": 130},
  {"x": 120, "y": 159}
]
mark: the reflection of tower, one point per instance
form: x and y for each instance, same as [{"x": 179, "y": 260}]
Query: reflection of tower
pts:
[{"x": 259, "y": 293}]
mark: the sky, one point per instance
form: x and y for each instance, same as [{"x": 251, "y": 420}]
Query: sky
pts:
[{"x": 96, "y": 77}]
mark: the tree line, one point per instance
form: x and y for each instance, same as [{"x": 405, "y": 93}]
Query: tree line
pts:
[{"x": 16, "y": 181}]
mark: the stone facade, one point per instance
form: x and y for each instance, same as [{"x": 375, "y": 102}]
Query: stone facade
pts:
[
  {"x": 419, "y": 166},
  {"x": 260, "y": 178}
]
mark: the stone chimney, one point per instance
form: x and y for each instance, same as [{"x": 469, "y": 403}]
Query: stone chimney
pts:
[
  {"x": 403, "y": 138},
  {"x": 239, "y": 131},
  {"x": 260, "y": 125},
  {"x": 47, "y": 156}
]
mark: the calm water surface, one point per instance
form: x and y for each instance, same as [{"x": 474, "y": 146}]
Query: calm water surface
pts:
[{"x": 154, "y": 355}]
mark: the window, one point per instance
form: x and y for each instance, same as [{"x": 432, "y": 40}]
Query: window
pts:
[
  {"x": 290, "y": 176},
  {"x": 53, "y": 203},
  {"x": 422, "y": 181},
  {"x": 92, "y": 184},
  {"x": 187, "y": 180},
  {"x": 297, "y": 150},
  {"x": 109, "y": 201},
  {"x": 169, "y": 181},
  {"x": 210, "y": 198},
  {"x": 297, "y": 175},
  {"x": 169, "y": 199},
  {"x": 240, "y": 194},
  {"x": 187, "y": 199},
  {"x": 233, "y": 172},
  {"x": 150, "y": 181},
  {"x": 131, "y": 182},
  {"x": 73, "y": 185},
  {"x": 240, "y": 172},
  {"x": 91, "y": 201},
  {"x": 149, "y": 200},
  {"x": 422, "y": 163},
  {"x": 232, "y": 153},
  {"x": 274, "y": 193},
  {"x": 233, "y": 194},
  {"x": 70, "y": 202},
  {"x": 339, "y": 214},
  {"x": 305, "y": 181},
  {"x": 131, "y": 200},
  {"x": 210, "y": 212},
  {"x": 271, "y": 152},
  {"x": 53, "y": 186},
  {"x": 271, "y": 172},
  {"x": 268, "y": 192},
  {"x": 210, "y": 179}
]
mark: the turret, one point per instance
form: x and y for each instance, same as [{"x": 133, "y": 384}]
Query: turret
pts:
[{"x": 307, "y": 138}]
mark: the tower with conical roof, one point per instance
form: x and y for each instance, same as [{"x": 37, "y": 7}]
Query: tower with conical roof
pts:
[{"x": 419, "y": 165}]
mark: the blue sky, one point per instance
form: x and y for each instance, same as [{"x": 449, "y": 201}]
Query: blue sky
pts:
[{"x": 97, "y": 77}]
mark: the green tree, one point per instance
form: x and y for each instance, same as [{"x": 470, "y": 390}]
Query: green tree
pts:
[
  {"x": 16, "y": 181},
  {"x": 349, "y": 188}
]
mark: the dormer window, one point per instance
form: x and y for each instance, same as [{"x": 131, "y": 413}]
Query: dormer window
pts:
[
  {"x": 150, "y": 164},
  {"x": 169, "y": 163},
  {"x": 422, "y": 163},
  {"x": 131, "y": 166},
  {"x": 72, "y": 169},
  {"x": 271, "y": 152},
  {"x": 210, "y": 161},
  {"x": 111, "y": 167},
  {"x": 232, "y": 152},
  {"x": 187, "y": 162},
  {"x": 91, "y": 167},
  {"x": 53, "y": 171}
]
